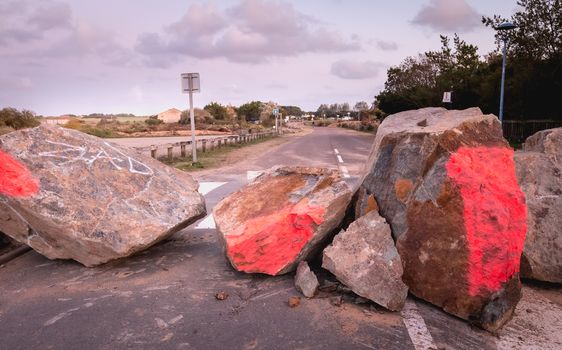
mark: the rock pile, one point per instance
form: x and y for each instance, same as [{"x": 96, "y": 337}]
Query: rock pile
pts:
[
  {"x": 445, "y": 181},
  {"x": 539, "y": 169},
  {"x": 69, "y": 195}
]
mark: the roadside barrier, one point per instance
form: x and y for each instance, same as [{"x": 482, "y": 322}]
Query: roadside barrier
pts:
[{"x": 184, "y": 149}]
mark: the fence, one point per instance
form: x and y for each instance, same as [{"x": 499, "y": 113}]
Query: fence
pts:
[
  {"x": 184, "y": 149},
  {"x": 517, "y": 131}
]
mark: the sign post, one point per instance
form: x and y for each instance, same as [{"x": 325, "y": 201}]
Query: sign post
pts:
[
  {"x": 190, "y": 83},
  {"x": 276, "y": 114}
]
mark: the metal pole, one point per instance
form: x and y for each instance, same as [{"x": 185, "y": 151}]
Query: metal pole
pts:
[
  {"x": 192, "y": 120},
  {"x": 503, "y": 80}
]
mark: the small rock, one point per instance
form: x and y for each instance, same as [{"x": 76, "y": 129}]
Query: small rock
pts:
[
  {"x": 329, "y": 286},
  {"x": 305, "y": 280},
  {"x": 221, "y": 295},
  {"x": 294, "y": 301},
  {"x": 336, "y": 301}
]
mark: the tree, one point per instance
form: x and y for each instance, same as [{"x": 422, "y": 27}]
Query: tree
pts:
[
  {"x": 538, "y": 35},
  {"x": 217, "y": 110},
  {"x": 361, "y": 106},
  {"x": 250, "y": 111},
  {"x": 292, "y": 110},
  {"x": 200, "y": 116}
]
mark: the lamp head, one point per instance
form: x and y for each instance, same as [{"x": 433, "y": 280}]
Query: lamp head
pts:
[{"x": 505, "y": 26}]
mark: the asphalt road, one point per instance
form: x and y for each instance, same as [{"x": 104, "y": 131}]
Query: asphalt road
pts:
[{"x": 164, "y": 298}]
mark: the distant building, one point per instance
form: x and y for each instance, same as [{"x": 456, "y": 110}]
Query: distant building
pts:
[
  {"x": 62, "y": 120},
  {"x": 172, "y": 115}
]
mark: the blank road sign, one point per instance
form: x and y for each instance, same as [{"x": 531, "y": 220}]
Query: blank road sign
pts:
[
  {"x": 190, "y": 82},
  {"x": 447, "y": 97}
]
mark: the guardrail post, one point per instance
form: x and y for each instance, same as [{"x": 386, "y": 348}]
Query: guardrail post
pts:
[
  {"x": 153, "y": 151},
  {"x": 203, "y": 146},
  {"x": 182, "y": 149},
  {"x": 170, "y": 153}
]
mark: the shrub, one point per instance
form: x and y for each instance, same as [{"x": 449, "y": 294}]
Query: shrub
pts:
[
  {"x": 15, "y": 119},
  {"x": 153, "y": 120}
]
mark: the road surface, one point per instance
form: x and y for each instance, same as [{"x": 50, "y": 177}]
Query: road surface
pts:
[{"x": 163, "y": 298}]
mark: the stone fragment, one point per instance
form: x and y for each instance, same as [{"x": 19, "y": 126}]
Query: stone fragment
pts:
[
  {"x": 445, "y": 182},
  {"x": 305, "y": 280},
  {"x": 221, "y": 295},
  {"x": 539, "y": 174},
  {"x": 365, "y": 259},
  {"x": 294, "y": 301},
  {"x": 69, "y": 195},
  {"x": 285, "y": 216}
]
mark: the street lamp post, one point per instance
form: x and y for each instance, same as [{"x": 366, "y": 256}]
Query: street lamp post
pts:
[{"x": 503, "y": 28}]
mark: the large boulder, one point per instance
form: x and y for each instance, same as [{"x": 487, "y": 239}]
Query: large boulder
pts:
[
  {"x": 445, "y": 181},
  {"x": 546, "y": 141},
  {"x": 285, "y": 216},
  {"x": 69, "y": 195},
  {"x": 539, "y": 173},
  {"x": 364, "y": 258}
]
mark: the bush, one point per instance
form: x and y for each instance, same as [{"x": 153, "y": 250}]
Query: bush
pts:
[
  {"x": 153, "y": 120},
  {"x": 15, "y": 119}
]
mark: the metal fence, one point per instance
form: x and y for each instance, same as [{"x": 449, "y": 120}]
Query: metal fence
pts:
[
  {"x": 184, "y": 149},
  {"x": 517, "y": 131}
]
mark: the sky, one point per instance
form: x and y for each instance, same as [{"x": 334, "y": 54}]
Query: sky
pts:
[{"x": 126, "y": 56}]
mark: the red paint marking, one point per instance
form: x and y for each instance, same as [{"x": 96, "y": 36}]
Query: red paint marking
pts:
[
  {"x": 15, "y": 179},
  {"x": 267, "y": 244},
  {"x": 495, "y": 214}
]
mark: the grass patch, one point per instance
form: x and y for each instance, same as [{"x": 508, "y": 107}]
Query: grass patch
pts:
[{"x": 210, "y": 159}]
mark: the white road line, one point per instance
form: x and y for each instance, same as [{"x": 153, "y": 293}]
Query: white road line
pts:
[
  {"x": 417, "y": 329},
  {"x": 207, "y": 223},
  {"x": 339, "y": 158},
  {"x": 206, "y": 187},
  {"x": 336, "y": 151},
  {"x": 344, "y": 171}
]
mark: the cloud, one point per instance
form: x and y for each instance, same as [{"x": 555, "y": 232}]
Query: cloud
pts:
[
  {"x": 448, "y": 16},
  {"x": 253, "y": 31},
  {"x": 387, "y": 45},
  {"x": 22, "y": 23},
  {"x": 347, "y": 69},
  {"x": 47, "y": 30}
]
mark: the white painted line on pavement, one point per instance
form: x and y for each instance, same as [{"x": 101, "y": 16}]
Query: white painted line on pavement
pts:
[
  {"x": 206, "y": 187},
  {"x": 251, "y": 175},
  {"x": 206, "y": 223},
  {"x": 417, "y": 329},
  {"x": 344, "y": 171},
  {"x": 339, "y": 158},
  {"x": 336, "y": 150}
]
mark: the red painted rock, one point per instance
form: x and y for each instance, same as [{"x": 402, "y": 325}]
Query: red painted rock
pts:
[
  {"x": 364, "y": 258},
  {"x": 282, "y": 218},
  {"x": 69, "y": 195},
  {"x": 445, "y": 181},
  {"x": 539, "y": 172}
]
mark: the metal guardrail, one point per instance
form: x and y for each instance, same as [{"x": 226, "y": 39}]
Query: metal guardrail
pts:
[
  {"x": 518, "y": 130},
  {"x": 183, "y": 149}
]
